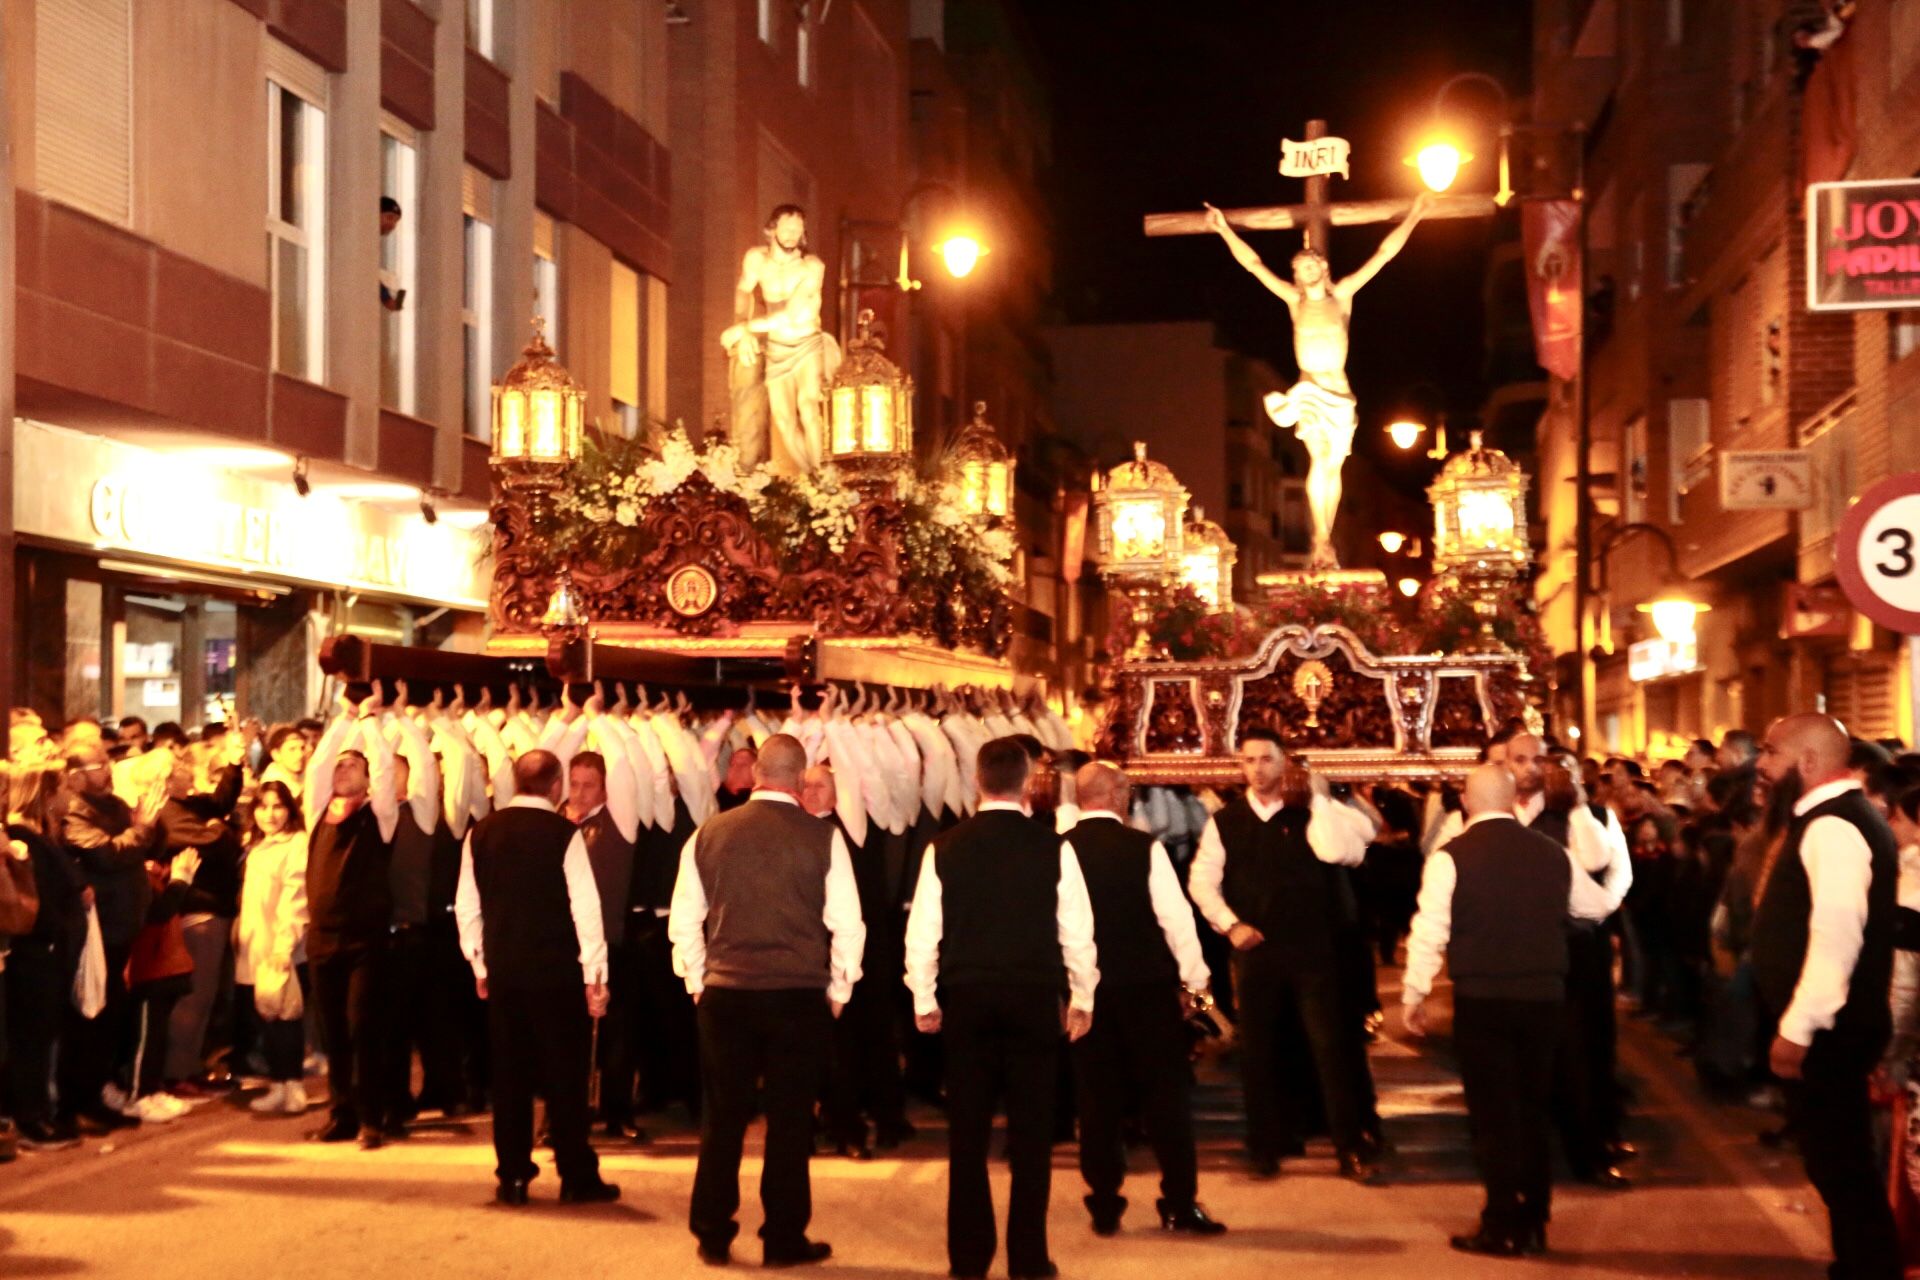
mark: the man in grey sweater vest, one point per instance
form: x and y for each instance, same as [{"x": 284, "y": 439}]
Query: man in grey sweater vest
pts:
[
  {"x": 1497, "y": 897},
  {"x": 767, "y": 935}
]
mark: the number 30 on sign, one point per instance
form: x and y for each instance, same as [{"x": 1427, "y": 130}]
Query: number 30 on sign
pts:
[{"x": 1877, "y": 553}]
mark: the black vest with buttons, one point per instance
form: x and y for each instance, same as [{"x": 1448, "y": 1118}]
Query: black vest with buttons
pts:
[
  {"x": 1509, "y": 937},
  {"x": 519, "y": 866},
  {"x": 1274, "y": 882},
  {"x": 1000, "y": 902}
]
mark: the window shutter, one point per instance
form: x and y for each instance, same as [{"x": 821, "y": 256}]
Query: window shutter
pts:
[
  {"x": 83, "y": 105},
  {"x": 302, "y": 75},
  {"x": 476, "y": 194}
]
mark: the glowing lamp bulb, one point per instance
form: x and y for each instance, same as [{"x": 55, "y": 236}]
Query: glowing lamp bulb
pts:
[
  {"x": 1406, "y": 434},
  {"x": 961, "y": 254},
  {"x": 1409, "y": 587},
  {"x": 1439, "y": 164},
  {"x": 1391, "y": 542},
  {"x": 1674, "y": 619}
]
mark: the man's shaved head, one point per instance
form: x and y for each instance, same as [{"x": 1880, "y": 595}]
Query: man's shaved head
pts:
[
  {"x": 1812, "y": 745},
  {"x": 1101, "y": 784},
  {"x": 1489, "y": 790},
  {"x": 782, "y": 764}
]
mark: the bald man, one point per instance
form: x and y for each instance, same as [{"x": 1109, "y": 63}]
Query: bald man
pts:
[
  {"x": 1496, "y": 899},
  {"x": 1137, "y": 1050},
  {"x": 1823, "y": 958},
  {"x": 767, "y": 934}
]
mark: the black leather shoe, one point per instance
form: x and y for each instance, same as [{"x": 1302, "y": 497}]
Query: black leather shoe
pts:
[
  {"x": 627, "y": 1131},
  {"x": 1045, "y": 1271},
  {"x": 36, "y": 1135},
  {"x": 1191, "y": 1219},
  {"x": 715, "y": 1255},
  {"x": 101, "y": 1120},
  {"x": 809, "y": 1251},
  {"x": 337, "y": 1131},
  {"x": 1360, "y": 1168},
  {"x": 1488, "y": 1244},
  {"x": 1265, "y": 1166},
  {"x": 371, "y": 1139},
  {"x": 1608, "y": 1179},
  {"x": 1106, "y": 1214},
  {"x": 1621, "y": 1152},
  {"x": 598, "y": 1191},
  {"x": 512, "y": 1192}
]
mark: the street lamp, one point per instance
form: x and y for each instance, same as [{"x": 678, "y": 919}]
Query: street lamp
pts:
[
  {"x": 985, "y": 469},
  {"x": 1439, "y": 159},
  {"x": 870, "y": 417},
  {"x": 961, "y": 253},
  {"x": 1137, "y": 536},
  {"x": 1391, "y": 541},
  {"x": 1674, "y": 609},
  {"x": 1409, "y": 587},
  {"x": 1406, "y": 433}
]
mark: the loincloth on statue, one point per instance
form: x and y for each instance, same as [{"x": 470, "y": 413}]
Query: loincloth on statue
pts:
[
  {"x": 816, "y": 354},
  {"x": 1323, "y": 420}
]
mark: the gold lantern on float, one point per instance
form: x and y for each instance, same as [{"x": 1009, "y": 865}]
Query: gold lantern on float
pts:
[
  {"x": 539, "y": 414},
  {"x": 1138, "y": 536},
  {"x": 1206, "y": 561},
  {"x": 984, "y": 469},
  {"x": 1480, "y": 530},
  {"x": 870, "y": 417}
]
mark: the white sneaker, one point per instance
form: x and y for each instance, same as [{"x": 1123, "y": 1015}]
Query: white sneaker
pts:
[
  {"x": 274, "y": 1099},
  {"x": 296, "y": 1097},
  {"x": 115, "y": 1098},
  {"x": 315, "y": 1065},
  {"x": 156, "y": 1108}
]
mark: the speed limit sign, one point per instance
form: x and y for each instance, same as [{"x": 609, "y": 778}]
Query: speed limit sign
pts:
[{"x": 1877, "y": 553}]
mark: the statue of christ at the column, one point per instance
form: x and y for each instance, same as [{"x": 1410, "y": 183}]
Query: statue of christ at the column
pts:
[{"x": 1320, "y": 407}]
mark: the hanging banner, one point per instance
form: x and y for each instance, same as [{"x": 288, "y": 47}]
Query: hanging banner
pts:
[
  {"x": 1073, "y": 551},
  {"x": 1863, "y": 245},
  {"x": 1550, "y": 234},
  {"x": 1315, "y": 158}
]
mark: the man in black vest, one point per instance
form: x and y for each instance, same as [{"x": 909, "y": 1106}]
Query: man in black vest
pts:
[
  {"x": 350, "y": 913},
  {"x": 1822, "y": 959},
  {"x": 1150, "y": 959},
  {"x": 1000, "y": 925},
  {"x": 604, "y": 810},
  {"x": 1496, "y": 899},
  {"x": 1586, "y": 1096},
  {"x": 1263, "y": 876},
  {"x": 531, "y": 928},
  {"x": 767, "y": 934}
]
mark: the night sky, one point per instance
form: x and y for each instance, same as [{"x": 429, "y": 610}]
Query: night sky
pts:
[{"x": 1158, "y": 106}]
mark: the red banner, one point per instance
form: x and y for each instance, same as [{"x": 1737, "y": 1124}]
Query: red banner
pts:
[{"x": 1550, "y": 234}]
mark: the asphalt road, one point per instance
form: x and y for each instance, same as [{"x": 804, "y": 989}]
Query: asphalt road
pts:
[{"x": 223, "y": 1193}]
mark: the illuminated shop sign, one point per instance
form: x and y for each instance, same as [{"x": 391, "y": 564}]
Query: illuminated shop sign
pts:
[{"x": 1863, "y": 245}]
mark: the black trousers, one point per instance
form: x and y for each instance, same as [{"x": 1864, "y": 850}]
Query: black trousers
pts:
[
  {"x": 865, "y": 1078},
  {"x": 619, "y": 1033},
  {"x": 349, "y": 989},
  {"x": 1828, "y": 1111},
  {"x": 457, "y": 1069},
  {"x": 1000, "y": 1041},
  {"x": 91, "y": 1049},
  {"x": 283, "y": 1042},
  {"x": 1137, "y": 1050},
  {"x": 1505, "y": 1049},
  {"x": 542, "y": 1041},
  {"x": 38, "y": 982},
  {"x": 1268, "y": 990},
  {"x": 669, "y": 1049},
  {"x": 1585, "y": 1096},
  {"x": 778, "y": 1039}
]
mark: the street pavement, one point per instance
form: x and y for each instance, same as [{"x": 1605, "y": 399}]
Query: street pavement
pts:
[{"x": 223, "y": 1193}]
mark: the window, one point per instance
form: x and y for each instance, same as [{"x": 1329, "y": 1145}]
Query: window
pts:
[
  {"x": 655, "y": 349},
  {"x": 803, "y": 46},
  {"x": 399, "y": 255},
  {"x": 627, "y": 318},
  {"x": 296, "y": 211},
  {"x": 1689, "y": 449},
  {"x": 480, "y": 27},
  {"x": 1683, "y": 180},
  {"x": 476, "y": 300},
  {"x": 1903, "y": 334},
  {"x": 83, "y": 106},
  {"x": 546, "y": 278},
  {"x": 1637, "y": 482},
  {"x": 766, "y": 21}
]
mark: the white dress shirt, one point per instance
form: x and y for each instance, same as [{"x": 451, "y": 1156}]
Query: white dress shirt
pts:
[
  {"x": 926, "y": 925},
  {"x": 1433, "y": 922},
  {"x": 1169, "y": 907},
  {"x": 1839, "y": 872},
  {"x": 583, "y": 902},
  {"x": 1339, "y": 835},
  {"x": 687, "y": 920}
]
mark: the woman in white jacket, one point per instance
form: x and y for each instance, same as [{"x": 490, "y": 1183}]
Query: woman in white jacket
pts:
[{"x": 270, "y": 951}]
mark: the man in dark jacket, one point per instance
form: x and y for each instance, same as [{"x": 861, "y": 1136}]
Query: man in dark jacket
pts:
[{"x": 112, "y": 842}]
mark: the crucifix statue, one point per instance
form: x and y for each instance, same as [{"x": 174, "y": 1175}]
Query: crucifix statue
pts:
[{"x": 1320, "y": 407}]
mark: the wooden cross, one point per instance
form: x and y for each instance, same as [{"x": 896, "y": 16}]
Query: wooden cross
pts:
[{"x": 1318, "y": 214}]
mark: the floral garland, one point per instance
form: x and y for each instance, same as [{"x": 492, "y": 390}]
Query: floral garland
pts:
[{"x": 804, "y": 518}]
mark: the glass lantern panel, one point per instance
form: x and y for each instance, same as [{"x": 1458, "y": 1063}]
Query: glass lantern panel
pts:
[
  {"x": 877, "y": 419},
  {"x": 1201, "y": 571},
  {"x": 510, "y": 423},
  {"x": 1139, "y": 530},
  {"x": 1486, "y": 518},
  {"x": 999, "y": 488},
  {"x": 846, "y": 421},
  {"x": 576, "y": 410},
  {"x": 973, "y": 487},
  {"x": 547, "y": 444}
]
